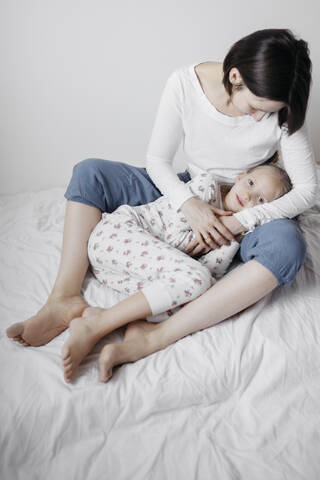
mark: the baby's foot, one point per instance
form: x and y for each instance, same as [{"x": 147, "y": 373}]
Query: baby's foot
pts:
[
  {"x": 50, "y": 321},
  {"x": 84, "y": 334},
  {"x": 136, "y": 345}
]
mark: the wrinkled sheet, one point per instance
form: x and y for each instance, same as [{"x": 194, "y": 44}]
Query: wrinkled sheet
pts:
[{"x": 237, "y": 401}]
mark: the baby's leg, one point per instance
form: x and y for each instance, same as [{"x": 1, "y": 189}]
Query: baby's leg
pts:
[
  {"x": 156, "y": 275},
  {"x": 127, "y": 258}
]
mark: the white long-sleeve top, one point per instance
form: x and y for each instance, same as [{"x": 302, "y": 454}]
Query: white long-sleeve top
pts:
[{"x": 226, "y": 146}]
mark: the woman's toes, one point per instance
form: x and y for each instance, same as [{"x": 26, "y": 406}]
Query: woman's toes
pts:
[
  {"x": 68, "y": 371},
  {"x": 108, "y": 358},
  {"x": 21, "y": 341},
  {"x": 67, "y": 363},
  {"x": 65, "y": 353},
  {"x": 102, "y": 371},
  {"x": 15, "y": 330},
  {"x": 66, "y": 360},
  {"x": 105, "y": 373}
]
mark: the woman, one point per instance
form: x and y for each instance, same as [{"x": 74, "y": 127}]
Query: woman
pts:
[{"x": 231, "y": 117}]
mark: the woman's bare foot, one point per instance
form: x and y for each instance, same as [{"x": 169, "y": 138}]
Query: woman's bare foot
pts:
[
  {"x": 84, "y": 334},
  {"x": 136, "y": 344},
  {"x": 50, "y": 321}
]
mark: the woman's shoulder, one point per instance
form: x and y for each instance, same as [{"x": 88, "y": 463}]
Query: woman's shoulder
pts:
[
  {"x": 207, "y": 68},
  {"x": 188, "y": 83},
  {"x": 208, "y": 72}
]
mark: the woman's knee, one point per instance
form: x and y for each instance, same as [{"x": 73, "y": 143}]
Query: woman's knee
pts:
[
  {"x": 86, "y": 183},
  {"x": 89, "y": 166},
  {"x": 89, "y": 173},
  {"x": 106, "y": 184},
  {"x": 278, "y": 245}
]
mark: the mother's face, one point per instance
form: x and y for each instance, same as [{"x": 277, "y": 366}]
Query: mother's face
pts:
[{"x": 248, "y": 103}]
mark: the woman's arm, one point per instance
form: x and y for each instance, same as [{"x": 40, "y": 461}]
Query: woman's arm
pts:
[
  {"x": 298, "y": 161},
  {"x": 233, "y": 225},
  {"x": 165, "y": 139}
]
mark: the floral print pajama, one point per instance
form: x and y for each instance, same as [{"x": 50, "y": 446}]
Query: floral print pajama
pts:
[{"x": 142, "y": 249}]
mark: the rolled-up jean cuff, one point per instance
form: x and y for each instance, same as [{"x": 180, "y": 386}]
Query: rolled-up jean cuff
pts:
[
  {"x": 279, "y": 246},
  {"x": 74, "y": 198},
  {"x": 158, "y": 298}
]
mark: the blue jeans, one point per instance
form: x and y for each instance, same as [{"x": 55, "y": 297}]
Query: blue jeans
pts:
[{"x": 278, "y": 245}]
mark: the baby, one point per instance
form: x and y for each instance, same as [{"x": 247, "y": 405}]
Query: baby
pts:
[
  {"x": 140, "y": 251},
  {"x": 117, "y": 247}
]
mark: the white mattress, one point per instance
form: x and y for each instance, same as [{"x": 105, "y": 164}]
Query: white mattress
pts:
[{"x": 237, "y": 401}]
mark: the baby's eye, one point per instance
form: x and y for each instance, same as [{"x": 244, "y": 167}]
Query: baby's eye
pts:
[{"x": 250, "y": 182}]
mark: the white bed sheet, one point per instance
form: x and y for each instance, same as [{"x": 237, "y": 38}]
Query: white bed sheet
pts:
[{"x": 237, "y": 401}]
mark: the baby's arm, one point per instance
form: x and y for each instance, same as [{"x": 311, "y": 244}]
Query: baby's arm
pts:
[{"x": 204, "y": 186}]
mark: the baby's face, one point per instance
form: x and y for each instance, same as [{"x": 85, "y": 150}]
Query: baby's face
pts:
[{"x": 255, "y": 188}]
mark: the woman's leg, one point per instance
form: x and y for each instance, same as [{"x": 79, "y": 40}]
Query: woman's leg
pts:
[
  {"x": 95, "y": 323},
  {"x": 279, "y": 251},
  {"x": 64, "y": 302},
  {"x": 243, "y": 287},
  {"x": 96, "y": 185}
]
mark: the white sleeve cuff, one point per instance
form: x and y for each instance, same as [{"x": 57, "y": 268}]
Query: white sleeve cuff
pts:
[
  {"x": 158, "y": 298},
  {"x": 246, "y": 219}
]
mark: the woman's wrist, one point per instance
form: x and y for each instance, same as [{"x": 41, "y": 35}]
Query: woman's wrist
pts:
[
  {"x": 187, "y": 203},
  {"x": 232, "y": 224}
]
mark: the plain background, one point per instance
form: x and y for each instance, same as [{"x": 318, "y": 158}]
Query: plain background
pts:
[{"x": 83, "y": 78}]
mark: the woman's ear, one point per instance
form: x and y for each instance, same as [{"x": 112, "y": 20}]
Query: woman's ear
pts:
[{"x": 235, "y": 77}]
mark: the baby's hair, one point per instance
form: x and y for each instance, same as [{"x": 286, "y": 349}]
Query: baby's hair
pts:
[{"x": 286, "y": 184}]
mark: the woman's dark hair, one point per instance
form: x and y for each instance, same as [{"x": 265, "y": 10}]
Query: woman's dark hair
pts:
[{"x": 274, "y": 65}]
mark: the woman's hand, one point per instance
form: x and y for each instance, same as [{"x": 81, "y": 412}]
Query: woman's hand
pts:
[{"x": 210, "y": 233}]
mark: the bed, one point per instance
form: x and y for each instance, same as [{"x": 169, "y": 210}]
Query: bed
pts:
[{"x": 237, "y": 401}]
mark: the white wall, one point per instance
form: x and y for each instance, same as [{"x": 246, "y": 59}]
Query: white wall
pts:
[{"x": 82, "y": 78}]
